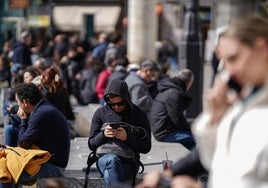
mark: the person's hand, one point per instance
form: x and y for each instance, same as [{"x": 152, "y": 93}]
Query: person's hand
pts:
[
  {"x": 218, "y": 100},
  {"x": 121, "y": 134},
  {"x": 22, "y": 114},
  {"x": 184, "y": 182},
  {"x": 109, "y": 132},
  {"x": 150, "y": 180}
]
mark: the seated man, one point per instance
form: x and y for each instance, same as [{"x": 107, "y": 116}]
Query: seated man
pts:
[
  {"x": 138, "y": 85},
  {"x": 118, "y": 108},
  {"x": 167, "y": 119},
  {"x": 44, "y": 126}
]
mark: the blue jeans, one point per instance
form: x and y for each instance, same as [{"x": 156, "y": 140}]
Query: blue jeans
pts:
[
  {"x": 102, "y": 102},
  {"x": 173, "y": 64},
  {"x": 115, "y": 170},
  {"x": 47, "y": 171},
  {"x": 11, "y": 135},
  {"x": 183, "y": 137}
]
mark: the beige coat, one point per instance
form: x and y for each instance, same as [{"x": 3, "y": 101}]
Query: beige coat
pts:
[{"x": 236, "y": 151}]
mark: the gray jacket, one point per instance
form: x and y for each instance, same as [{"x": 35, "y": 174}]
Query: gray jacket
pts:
[{"x": 139, "y": 92}]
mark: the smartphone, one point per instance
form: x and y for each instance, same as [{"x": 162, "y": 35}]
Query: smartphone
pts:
[
  {"x": 234, "y": 85},
  {"x": 114, "y": 125},
  {"x": 225, "y": 76}
]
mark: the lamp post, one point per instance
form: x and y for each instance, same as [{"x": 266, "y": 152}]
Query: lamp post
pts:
[
  {"x": 51, "y": 26},
  {"x": 191, "y": 54}
]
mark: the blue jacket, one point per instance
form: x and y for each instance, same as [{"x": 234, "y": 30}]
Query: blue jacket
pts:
[
  {"x": 48, "y": 129},
  {"x": 22, "y": 54}
]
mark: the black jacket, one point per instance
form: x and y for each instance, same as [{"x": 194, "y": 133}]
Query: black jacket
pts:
[
  {"x": 132, "y": 115},
  {"x": 189, "y": 165},
  {"x": 167, "y": 113}
]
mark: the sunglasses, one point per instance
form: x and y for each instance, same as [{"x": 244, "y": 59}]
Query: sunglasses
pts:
[{"x": 122, "y": 103}]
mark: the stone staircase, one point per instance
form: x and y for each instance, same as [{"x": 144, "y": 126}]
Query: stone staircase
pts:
[{"x": 74, "y": 174}]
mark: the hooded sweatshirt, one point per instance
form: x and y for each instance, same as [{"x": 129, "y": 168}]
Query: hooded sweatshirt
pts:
[
  {"x": 132, "y": 115},
  {"x": 167, "y": 113}
]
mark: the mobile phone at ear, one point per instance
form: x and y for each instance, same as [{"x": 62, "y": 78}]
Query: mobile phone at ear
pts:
[{"x": 234, "y": 85}]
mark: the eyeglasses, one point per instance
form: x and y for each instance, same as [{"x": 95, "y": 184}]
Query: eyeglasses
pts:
[{"x": 122, "y": 103}]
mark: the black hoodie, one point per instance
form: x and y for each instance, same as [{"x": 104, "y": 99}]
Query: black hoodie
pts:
[
  {"x": 168, "y": 108},
  {"x": 132, "y": 115}
]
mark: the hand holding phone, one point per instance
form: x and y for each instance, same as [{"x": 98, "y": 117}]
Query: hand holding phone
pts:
[{"x": 232, "y": 83}]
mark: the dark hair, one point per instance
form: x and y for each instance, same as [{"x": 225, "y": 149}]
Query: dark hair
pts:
[
  {"x": 115, "y": 37},
  {"x": 28, "y": 92},
  {"x": 151, "y": 65},
  {"x": 33, "y": 71},
  {"x": 123, "y": 61}
]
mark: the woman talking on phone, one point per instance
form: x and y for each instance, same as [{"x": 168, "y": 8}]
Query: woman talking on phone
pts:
[{"x": 232, "y": 131}]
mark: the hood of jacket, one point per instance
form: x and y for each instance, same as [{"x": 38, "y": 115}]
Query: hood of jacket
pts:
[
  {"x": 120, "y": 88},
  {"x": 172, "y": 83}
]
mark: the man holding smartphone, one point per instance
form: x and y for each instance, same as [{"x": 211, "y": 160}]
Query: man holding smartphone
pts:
[{"x": 118, "y": 108}]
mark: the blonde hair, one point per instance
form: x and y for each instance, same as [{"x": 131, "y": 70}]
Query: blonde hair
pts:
[{"x": 248, "y": 29}]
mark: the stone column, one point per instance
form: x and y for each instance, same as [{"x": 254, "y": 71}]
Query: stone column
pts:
[
  {"x": 225, "y": 10},
  {"x": 142, "y": 30}
]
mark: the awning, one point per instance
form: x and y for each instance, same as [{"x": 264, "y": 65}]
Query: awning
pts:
[{"x": 70, "y": 18}]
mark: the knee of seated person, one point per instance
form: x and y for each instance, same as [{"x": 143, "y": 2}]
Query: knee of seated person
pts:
[
  {"x": 110, "y": 159},
  {"x": 8, "y": 129}
]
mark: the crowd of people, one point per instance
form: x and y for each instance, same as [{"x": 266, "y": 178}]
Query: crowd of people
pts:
[
  {"x": 140, "y": 101},
  {"x": 91, "y": 72}
]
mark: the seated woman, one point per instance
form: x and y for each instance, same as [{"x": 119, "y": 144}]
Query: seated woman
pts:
[{"x": 53, "y": 88}]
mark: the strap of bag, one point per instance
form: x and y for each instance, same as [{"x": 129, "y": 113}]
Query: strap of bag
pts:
[
  {"x": 141, "y": 166},
  {"x": 139, "y": 172},
  {"x": 92, "y": 158}
]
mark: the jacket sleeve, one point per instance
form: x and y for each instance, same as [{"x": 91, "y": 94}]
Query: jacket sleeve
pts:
[
  {"x": 175, "y": 110},
  {"x": 189, "y": 165},
  {"x": 96, "y": 136},
  {"x": 101, "y": 83},
  {"x": 141, "y": 144},
  {"x": 68, "y": 107},
  {"x": 141, "y": 97},
  {"x": 205, "y": 135},
  {"x": 31, "y": 130}
]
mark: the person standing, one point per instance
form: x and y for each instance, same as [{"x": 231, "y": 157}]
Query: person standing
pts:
[
  {"x": 22, "y": 52},
  {"x": 167, "y": 119},
  {"x": 232, "y": 131},
  {"x": 119, "y": 108}
]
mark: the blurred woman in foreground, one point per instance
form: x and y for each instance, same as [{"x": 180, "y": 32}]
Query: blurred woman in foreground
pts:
[{"x": 231, "y": 133}]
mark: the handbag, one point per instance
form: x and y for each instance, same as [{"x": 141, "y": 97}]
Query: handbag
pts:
[{"x": 117, "y": 147}]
